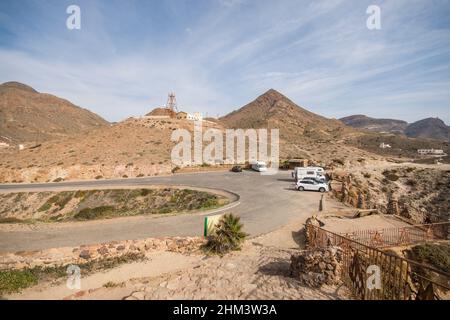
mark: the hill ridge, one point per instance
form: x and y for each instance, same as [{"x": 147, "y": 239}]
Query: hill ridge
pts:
[{"x": 27, "y": 115}]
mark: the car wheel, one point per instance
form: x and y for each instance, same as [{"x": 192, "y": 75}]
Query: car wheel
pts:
[
  {"x": 322, "y": 190},
  {"x": 301, "y": 189}
]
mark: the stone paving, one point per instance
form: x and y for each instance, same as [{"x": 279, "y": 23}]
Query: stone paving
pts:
[{"x": 256, "y": 272}]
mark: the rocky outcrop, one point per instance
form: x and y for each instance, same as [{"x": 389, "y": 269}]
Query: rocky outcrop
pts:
[
  {"x": 315, "y": 268},
  {"x": 314, "y": 222},
  {"x": 393, "y": 207}
]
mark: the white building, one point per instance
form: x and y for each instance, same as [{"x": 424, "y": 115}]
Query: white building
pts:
[
  {"x": 431, "y": 152},
  {"x": 196, "y": 116},
  {"x": 385, "y": 145}
]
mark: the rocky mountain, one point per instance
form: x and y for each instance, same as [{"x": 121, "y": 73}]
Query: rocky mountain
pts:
[
  {"x": 142, "y": 146},
  {"x": 303, "y": 134},
  {"x": 27, "y": 115},
  {"x": 430, "y": 128},
  {"x": 378, "y": 125},
  {"x": 274, "y": 110}
]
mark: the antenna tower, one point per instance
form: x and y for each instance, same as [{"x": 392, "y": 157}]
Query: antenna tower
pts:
[{"x": 172, "y": 102}]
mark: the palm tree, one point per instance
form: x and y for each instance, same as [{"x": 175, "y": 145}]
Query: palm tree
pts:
[{"x": 227, "y": 236}]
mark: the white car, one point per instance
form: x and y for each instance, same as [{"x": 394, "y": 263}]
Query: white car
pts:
[
  {"x": 313, "y": 185},
  {"x": 259, "y": 166}
]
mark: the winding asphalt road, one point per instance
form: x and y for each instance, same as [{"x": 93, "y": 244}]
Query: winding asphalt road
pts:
[{"x": 266, "y": 203}]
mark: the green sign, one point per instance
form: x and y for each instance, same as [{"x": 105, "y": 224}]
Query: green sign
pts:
[{"x": 210, "y": 224}]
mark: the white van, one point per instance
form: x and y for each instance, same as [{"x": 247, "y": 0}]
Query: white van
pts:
[
  {"x": 308, "y": 172},
  {"x": 259, "y": 166}
]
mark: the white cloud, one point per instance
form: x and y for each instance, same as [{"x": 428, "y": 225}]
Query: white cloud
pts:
[{"x": 319, "y": 53}]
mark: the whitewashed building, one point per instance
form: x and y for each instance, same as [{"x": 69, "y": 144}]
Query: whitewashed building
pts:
[
  {"x": 196, "y": 116},
  {"x": 431, "y": 152}
]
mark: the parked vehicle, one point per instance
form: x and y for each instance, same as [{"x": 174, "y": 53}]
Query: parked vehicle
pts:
[
  {"x": 308, "y": 184},
  {"x": 317, "y": 179},
  {"x": 259, "y": 166},
  {"x": 308, "y": 172},
  {"x": 236, "y": 169}
]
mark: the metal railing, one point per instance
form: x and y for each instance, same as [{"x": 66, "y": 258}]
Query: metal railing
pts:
[
  {"x": 394, "y": 237},
  {"x": 400, "y": 278}
]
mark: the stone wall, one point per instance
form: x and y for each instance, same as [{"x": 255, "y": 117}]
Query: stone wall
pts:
[
  {"x": 86, "y": 253},
  {"x": 315, "y": 268},
  {"x": 313, "y": 220}
]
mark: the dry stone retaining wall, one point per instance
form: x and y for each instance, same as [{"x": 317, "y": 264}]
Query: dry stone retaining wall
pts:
[
  {"x": 315, "y": 268},
  {"x": 87, "y": 253}
]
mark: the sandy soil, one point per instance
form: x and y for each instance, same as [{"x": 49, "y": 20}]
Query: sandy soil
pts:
[
  {"x": 156, "y": 263},
  {"x": 373, "y": 222}
]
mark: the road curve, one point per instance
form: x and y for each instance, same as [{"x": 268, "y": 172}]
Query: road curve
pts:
[{"x": 266, "y": 203}]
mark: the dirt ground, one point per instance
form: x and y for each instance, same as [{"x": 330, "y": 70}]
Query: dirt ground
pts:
[
  {"x": 259, "y": 271},
  {"x": 374, "y": 222}
]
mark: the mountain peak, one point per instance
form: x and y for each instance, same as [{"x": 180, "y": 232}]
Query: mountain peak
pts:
[
  {"x": 272, "y": 91},
  {"x": 273, "y": 94},
  {"x": 361, "y": 121},
  {"x": 17, "y": 85},
  {"x": 431, "y": 128},
  {"x": 435, "y": 120},
  {"x": 273, "y": 109}
]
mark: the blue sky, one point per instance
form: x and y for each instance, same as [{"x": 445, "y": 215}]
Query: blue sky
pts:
[{"x": 217, "y": 55}]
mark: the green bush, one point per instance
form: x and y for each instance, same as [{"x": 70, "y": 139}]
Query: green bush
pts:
[
  {"x": 175, "y": 169},
  {"x": 80, "y": 194},
  {"x": 15, "y": 280},
  {"x": 391, "y": 175},
  {"x": 64, "y": 199},
  {"x": 228, "y": 236},
  {"x": 10, "y": 220},
  {"x": 145, "y": 192},
  {"x": 210, "y": 203},
  {"x": 93, "y": 213},
  {"x": 166, "y": 209},
  {"x": 436, "y": 255},
  {"x": 45, "y": 207}
]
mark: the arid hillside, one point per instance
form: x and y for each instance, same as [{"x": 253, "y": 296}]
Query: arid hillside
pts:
[
  {"x": 400, "y": 145},
  {"x": 378, "y": 125},
  {"x": 416, "y": 192},
  {"x": 29, "y": 116},
  {"x": 132, "y": 148},
  {"x": 142, "y": 146},
  {"x": 429, "y": 128},
  {"x": 273, "y": 108},
  {"x": 303, "y": 134}
]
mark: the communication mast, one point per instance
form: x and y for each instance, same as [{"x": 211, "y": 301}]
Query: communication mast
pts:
[{"x": 172, "y": 102}]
